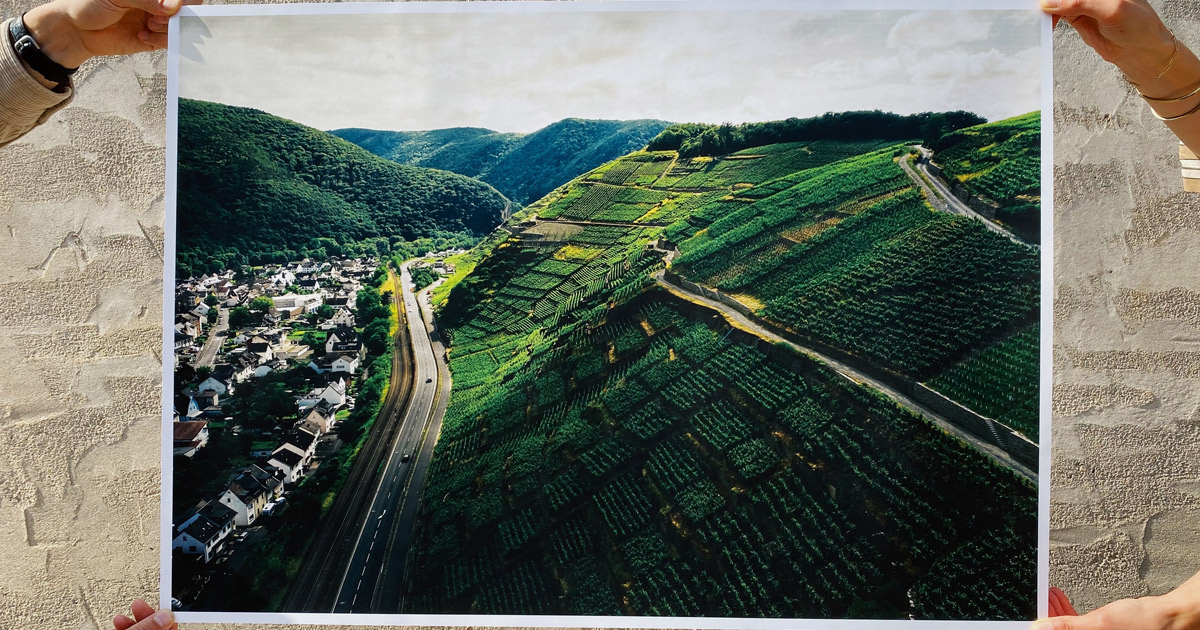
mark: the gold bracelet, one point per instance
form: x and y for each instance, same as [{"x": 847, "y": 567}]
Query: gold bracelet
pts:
[
  {"x": 1170, "y": 64},
  {"x": 1174, "y": 118},
  {"x": 1176, "y": 99}
]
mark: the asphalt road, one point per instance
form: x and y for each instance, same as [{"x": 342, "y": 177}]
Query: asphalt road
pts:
[
  {"x": 855, "y": 376},
  {"x": 318, "y": 582},
  {"x": 945, "y": 199},
  {"x": 374, "y": 580},
  {"x": 208, "y": 353}
]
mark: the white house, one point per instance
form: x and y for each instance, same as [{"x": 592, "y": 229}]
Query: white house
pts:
[
  {"x": 290, "y": 301},
  {"x": 218, "y": 384},
  {"x": 190, "y": 436},
  {"x": 338, "y": 363},
  {"x": 333, "y": 393},
  {"x": 204, "y": 532},
  {"x": 289, "y": 462},
  {"x": 268, "y": 367},
  {"x": 300, "y": 442},
  {"x": 346, "y": 363},
  {"x": 246, "y": 496},
  {"x": 342, "y": 318},
  {"x": 343, "y": 341}
]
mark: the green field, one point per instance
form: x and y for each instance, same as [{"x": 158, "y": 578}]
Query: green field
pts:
[{"x": 611, "y": 449}]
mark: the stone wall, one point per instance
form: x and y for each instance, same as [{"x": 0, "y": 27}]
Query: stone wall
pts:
[{"x": 81, "y": 216}]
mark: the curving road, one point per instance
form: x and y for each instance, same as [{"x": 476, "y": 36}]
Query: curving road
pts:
[
  {"x": 742, "y": 321},
  {"x": 945, "y": 200},
  {"x": 374, "y": 579}
]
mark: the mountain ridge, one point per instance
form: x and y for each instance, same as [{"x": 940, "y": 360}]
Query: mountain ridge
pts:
[{"x": 524, "y": 167}]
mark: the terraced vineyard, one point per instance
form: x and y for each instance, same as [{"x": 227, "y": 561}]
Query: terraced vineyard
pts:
[
  {"x": 1000, "y": 381},
  {"x": 610, "y": 449},
  {"x": 999, "y": 161},
  {"x": 693, "y": 472}
]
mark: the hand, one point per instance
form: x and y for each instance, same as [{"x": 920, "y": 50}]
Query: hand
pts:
[
  {"x": 72, "y": 31},
  {"x": 144, "y": 618},
  {"x": 1127, "y": 33},
  {"x": 1178, "y": 610}
]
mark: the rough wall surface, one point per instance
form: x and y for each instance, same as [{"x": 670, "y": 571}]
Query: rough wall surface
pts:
[{"x": 81, "y": 223}]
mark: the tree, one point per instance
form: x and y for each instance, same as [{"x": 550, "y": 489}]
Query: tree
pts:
[
  {"x": 262, "y": 304},
  {"x": 240, "y": 317},
  {"x": 212, "y": 316},
  {"x": 375, "y": 336},
  {"x": 211, "y": 300},
  {"x": 310, "y": 339},
  {"x": 203, "y": 372},
  {"x": 325, "y": 311}
]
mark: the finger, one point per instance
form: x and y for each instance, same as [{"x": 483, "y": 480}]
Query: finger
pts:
[
  {"x": 1060, "y": 600},
  {"x": 121, "y": 622},
  {"x": 154, "y": 41},
  {"x": 161, "y": 620},
  {"x": 1105, "y": 11},
  {"x": 157, "y": 24},
  {"x": 153, "y": 7},
  {"x": 141, "y": 609}
]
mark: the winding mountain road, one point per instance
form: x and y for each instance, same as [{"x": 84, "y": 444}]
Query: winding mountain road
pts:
[
  {"x": 946, "y": 201},
  {"x": 740, "y": 320}
]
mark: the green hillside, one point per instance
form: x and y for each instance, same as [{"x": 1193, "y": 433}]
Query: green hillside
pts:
[
  {"x": 999, "y": 161},
  {"x": 522, "y": 166},
  {"x": 255, "y": 188},
  {"x": 611, "y": 448}
]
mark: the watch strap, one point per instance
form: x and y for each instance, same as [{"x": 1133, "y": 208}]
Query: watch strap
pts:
[{"x": 29, "y": 52}]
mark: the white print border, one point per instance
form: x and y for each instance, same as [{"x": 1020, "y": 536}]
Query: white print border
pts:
[{"x": 584, "y": 6}]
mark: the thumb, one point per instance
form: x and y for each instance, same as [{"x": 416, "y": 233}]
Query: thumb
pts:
[
  {"x": 153, "y": 7},
  {"x": 1103, "y": 11},
  {"x": 1090, "y": 621}
]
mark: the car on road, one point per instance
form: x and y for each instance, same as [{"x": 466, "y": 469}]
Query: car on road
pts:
[
  {"x": 406, "y": 456},
  {"x": 429, "y": 380}
]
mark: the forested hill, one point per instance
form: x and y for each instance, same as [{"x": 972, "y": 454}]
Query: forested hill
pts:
[
  {"x": 255, "y": 187},
  {"x": 522, "y": 166}
]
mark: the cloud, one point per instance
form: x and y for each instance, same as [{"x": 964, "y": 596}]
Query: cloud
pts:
[
  {"x": 520, "y": 72},
  {"x": 929, "y": 29}
]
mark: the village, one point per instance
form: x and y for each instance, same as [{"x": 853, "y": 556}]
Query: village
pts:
[{"x": 267, "y": 364}]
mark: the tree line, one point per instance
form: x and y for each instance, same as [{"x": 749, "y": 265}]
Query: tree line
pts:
[{"x": 700, "y": 139}]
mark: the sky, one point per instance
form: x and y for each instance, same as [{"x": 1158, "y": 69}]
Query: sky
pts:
[{"x": 518, "y": 72}]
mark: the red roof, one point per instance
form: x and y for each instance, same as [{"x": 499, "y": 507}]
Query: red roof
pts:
[{"x": 187, "y": 431}]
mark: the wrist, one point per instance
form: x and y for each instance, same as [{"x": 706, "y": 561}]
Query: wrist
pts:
[
  {"x": 1180, "y": 611},
  {"x": 56, "y": 35},
  {"x": 1150, "y": 62}
]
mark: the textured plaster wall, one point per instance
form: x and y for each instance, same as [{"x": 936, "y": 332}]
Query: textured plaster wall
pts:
[{"x": 81, "y": 224}]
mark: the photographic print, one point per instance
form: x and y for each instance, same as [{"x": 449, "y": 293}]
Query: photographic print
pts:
[{"x": 609, "y": 314}]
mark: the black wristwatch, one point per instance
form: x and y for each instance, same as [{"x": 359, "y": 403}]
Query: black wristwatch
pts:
[{"x": 29, "y": 52}]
